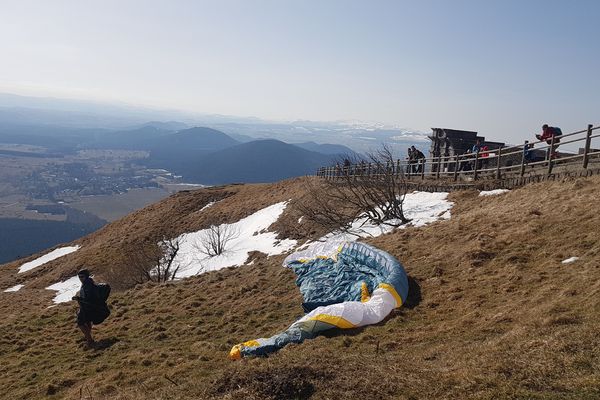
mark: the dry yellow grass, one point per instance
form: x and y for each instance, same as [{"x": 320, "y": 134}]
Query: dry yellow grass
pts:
[{"x": 493, "y": 313}]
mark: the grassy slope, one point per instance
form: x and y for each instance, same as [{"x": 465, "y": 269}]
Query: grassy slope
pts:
[{"x": 492, "y": 314}]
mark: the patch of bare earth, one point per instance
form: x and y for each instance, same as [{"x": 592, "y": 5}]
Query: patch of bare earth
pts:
[{"x": 493, "y": 313}]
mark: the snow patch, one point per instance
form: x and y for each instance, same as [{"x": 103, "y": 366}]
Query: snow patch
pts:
[
  {"x": 570, "y": 260},
  {"x": 494, "y": 192},
  {"x": 250, "y": 235},
  {"x": 300, "y": 219},
  {"x": 53, "y": 255},
  {"x": 426, "y": 207},
  {"x": 421, "y": 207},
  {"x": 207, "y": 206},
  {"x": 15, "y": 288},
  {"x": 66, "y": 289}
]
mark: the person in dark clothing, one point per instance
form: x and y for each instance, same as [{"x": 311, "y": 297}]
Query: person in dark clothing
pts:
[
  {"x": 418, "y": 157},
  {"x": 476, "y": 150},
  {"x": 465, "y": 164},
  {"x": 527, "y": 156},
  {"x": 92, "y": 308},
  {"x": 411, "y": 160}
]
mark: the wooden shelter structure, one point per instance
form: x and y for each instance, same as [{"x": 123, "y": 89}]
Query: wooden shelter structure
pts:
[{"x": 451, "y": 142}]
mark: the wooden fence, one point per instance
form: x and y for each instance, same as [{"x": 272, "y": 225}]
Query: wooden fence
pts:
[{"x": 507, "y": 163}]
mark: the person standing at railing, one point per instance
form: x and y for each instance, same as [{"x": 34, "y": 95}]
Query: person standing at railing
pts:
[
  {"x": 485, "y": 154},
  {"x": 410, "y": 159},
  {"x": 418, "y": 156},
  {"x": 362, "y": 168},
  {"x": 549, "y": 132},
  {"x": 347, "y": 165},
  {"x": 527, "y": 154},
  {"x": 465, "y": 164},
  {"x": 475, "y": 150}
]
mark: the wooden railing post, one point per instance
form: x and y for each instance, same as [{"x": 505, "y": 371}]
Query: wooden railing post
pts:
[
  {"x": 550, "y": 154},
  {"x": 498, "y": 163},
  {"x": 398, "y": 166},
  {"x": 423, "y": 164},
  {"x": 523, "y": 158},
  {"x": 439, "y": 164},
  {"x": 586, "y": 150},
  {"x": 476, "y": 165},
  {"x": 456, "y": 164}
]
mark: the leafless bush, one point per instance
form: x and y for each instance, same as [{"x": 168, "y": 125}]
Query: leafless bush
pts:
[
  {"x": 373, "y": 188},
  {"x": 214, "y": 240},
  {"x": 152, "y": 260}
]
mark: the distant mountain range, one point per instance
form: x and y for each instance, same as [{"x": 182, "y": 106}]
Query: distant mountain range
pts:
[
  {"x": 258, "y": 161},
  {"x": 188, "y": 144},
  {"x": 359, "y": 136},
  {"x": 207, "y": 156},
  {"x": 199, "y": 154}
]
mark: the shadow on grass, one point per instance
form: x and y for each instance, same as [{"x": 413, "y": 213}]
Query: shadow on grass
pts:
[
  {"x": 414, "y": 294},
  {"x": 105, "y": 343}
]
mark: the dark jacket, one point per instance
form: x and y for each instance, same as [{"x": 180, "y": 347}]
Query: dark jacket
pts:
[{"x": 91, "y": 307}]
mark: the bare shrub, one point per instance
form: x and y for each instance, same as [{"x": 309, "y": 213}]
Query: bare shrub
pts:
[
  {"x": 373, "y": 188},
  {"x": 151, "y": 260},
  {"x": 214, "y": 240}
]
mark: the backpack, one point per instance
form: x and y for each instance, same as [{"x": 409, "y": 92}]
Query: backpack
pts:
[
  {"x": 103, "y": 291},
  {"x": 556, "y": 131}
]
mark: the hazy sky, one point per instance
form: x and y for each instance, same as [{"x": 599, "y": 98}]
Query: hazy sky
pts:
[{"x": 499, "y": 67}]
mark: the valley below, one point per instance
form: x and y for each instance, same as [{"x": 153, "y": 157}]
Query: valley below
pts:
[{"x": 47, "y": 198}]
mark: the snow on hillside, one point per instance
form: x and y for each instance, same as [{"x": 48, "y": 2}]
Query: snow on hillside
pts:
[
  {"x": 15, "y": 288},
  {"x": 53, "y": 255},
  {"x": 420, "y": 207},
  {"x": 66, "y": 289},
  {"x": 570, "y": 260},
  {"x": 250, "y": 235},
  {"x": 212, "y": 203},
  {"x": 494, "y": 192}
]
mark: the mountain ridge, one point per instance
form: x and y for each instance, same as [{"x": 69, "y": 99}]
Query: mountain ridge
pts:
[{"x": 266, "y": 160}]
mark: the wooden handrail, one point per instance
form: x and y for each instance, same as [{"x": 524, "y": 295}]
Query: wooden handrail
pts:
[{"x": 451, "y": 165}]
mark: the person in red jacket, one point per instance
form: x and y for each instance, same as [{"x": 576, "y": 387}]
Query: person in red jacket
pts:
[
  {"x": 547, "y": 133},
  {"x": 484, "y": 154}
]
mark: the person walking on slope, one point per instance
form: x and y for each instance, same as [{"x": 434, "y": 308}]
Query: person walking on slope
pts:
[{"x": 92, "y": 305}]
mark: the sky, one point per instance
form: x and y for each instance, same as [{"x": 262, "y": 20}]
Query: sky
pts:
[{"x": 502, "y": 68}]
